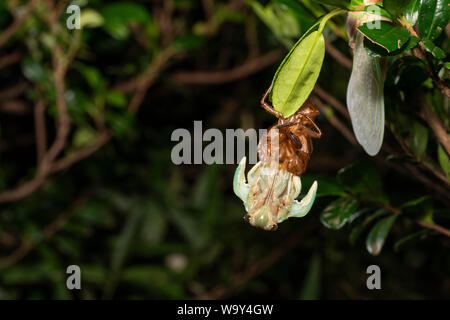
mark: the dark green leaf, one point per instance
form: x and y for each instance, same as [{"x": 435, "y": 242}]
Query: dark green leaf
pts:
[
  {"x": 419, "y": 139},
  {"x": 437, "y": 52},
  {"x": 395, "y": 7},
  {"x": 188, "y": 42},
  {"x": 388, "y": 36},
  {"x": 433, "y": 16},
  {"x": 118, "y": 15},
  {"x": 279, "y": 19},
  {"x": 412, "y": 12},
  {"x": 305, "y": 19},
  {"x": 412, "y": 238},
  {"x": 413, "y": 41},
  {"x": 363, "y": 180},
  {"x": 444, "y": 160},
  {"x": 356, "y": 232},
  {"x": 311, "y": 284},
  {"x": 337, "y": 213},
  {"x": 344, "y": 4},
  {"x": 377, "y": 236},
  {"x": 357, "y": 5},
  {"x": 328, "y": 186},
  {"x": 415, "y": 202}
]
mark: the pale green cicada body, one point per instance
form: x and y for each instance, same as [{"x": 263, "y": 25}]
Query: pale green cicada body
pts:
[
  {"x": 365, "y": 98},
  {"x": 269, "y": 196}
]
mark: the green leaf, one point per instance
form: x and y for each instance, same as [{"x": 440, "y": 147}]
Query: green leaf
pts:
[
  {"x": 344, "y": 4},
  {"x": 328, "y": 186},
  {"x": 118, "y": 15},
  {"x": 188, "y": 42},
  {"x": 279, "y": 19},
  {"x": 411, "y": 238},
  {"x": 356, "y": 232},
  {"x": 413, "y": 41},
  {"x": 377, "y": 236},
  {"x": 337, "y": 213},
  {"x": 311, "y": 285},
  {"x": 84, "y": 136},
  {"x": 388, "y": 36},
  {"x": 412, "y": 12},
  {"x": 433, "y": 16},
  {"x": 419, "y": 139},
  {"x": 297, "y": 74},
  {"x": 363, "y": 180},
  {"x": 91, "y": 19},
  {"x": 414, "y": 202},
  {"x": 395, "y": 7},
  {"x": 444, "y": 160},
  {"x": 305, "y": 19},
  {"x": 437, "y": 52},
  {"x": 116, "y": 99},
  {"x": 357, "y": 5}
]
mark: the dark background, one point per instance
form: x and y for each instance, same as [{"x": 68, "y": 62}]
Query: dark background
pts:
[{"x": 141, "y": 227}]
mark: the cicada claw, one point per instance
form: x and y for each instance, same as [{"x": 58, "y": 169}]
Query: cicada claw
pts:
[
  {"x": 301, "y": 209},
  {"x": 240, "y": 186}
]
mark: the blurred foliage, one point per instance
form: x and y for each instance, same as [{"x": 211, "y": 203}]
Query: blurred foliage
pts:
[{"x": 142, "y": 227}]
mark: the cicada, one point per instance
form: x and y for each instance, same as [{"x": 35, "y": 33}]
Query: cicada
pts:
[{"x": 274, "y": 182}]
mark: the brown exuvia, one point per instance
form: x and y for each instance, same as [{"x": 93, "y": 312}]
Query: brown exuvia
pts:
[{"x": 294, "y": 135}]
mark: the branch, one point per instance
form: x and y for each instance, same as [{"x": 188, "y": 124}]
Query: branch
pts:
[
  {"x": 9, "y": 32},
  {"x": 10, "y": 59},
  {"x": 421, "y": 53},
  {"x": 28, "y": 245},
  {"x": 219, "y": 77},
  {"x": 40, "y": 129},
  {"x": 50, "y": 166},
  {"x": 259, "y": 266},
  {"x": 335, "y": 122},
  {"x": 435, "y": 227},
  {"x": 337, "y": 55},
  {"x": 333, "y": 101},
  {"x": 434, "y": 122}
]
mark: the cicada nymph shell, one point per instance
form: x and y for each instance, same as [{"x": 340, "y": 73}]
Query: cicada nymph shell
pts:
[{"x": 274, "y": 182}]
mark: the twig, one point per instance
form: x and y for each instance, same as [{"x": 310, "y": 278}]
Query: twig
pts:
[
  {"x": 435, "y": 227},
  {"x": 258, "y": 267},
  {"x": 51, "y": 167},
  {"x": 14, "y": 90},
  {"x": 335, "y": 103},
  {"x": 16, "y": 107},
  {"x": 56, "y": 225},
  {"x": 40, "y": 129},
  {"x": 335, "y": 122},
  {"x": 146, "y": 80},
  {"x": 9, "y": 32},
  {"x": 10, "y": 59},
  {"x": 421, "y": 53},
  {"x": 337, "y": 55},
  {"x": 434, "y": 122},
  {"x": 219, "y": 77}
]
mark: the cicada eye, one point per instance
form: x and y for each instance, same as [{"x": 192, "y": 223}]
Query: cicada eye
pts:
[
  {"x": 247, "y": 218},
  {"x": 274, "y": 227}
]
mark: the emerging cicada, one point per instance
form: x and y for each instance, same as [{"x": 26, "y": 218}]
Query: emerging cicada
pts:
[{"x": 274, "y": 182}]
